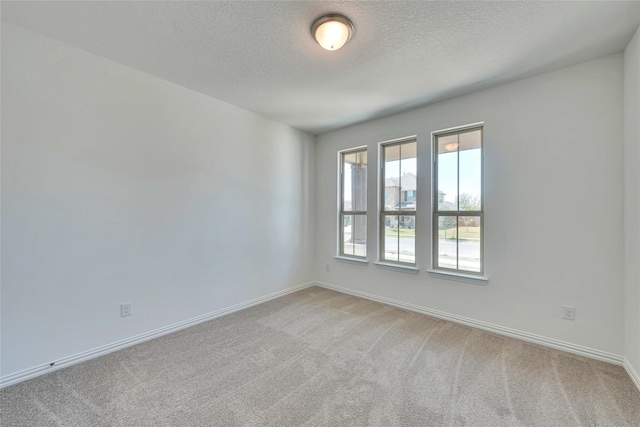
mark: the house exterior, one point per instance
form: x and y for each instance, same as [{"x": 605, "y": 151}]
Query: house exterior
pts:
[{"x": 400, "y": 192}]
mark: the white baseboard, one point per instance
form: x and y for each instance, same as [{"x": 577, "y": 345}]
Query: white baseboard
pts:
[
  {"x": 118, "y": 345},
  {"x": 632, "y": 373},
  {"x": 514, "y": 333},
  {"x": 26, "y": 374}
]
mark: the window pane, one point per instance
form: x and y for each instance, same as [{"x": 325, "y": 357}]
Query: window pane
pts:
[
  {"x": 391, "y": 177},
  {"x": 408, "y": 176},
  {"x": 448, "y": 173},
  {"x": 347, "y": 247},
  {"x": 469, "y": 233},
  {"x": 407, "y": 239},
  {"x": 359, "y": 181},
  {"x": 391, "y": 236},
  {"x": 349, "y": 158},
  {"x": 447, "y": 144},
  {"x": 458, "y": 187},
  {"x": 354, "y": 192},
  {"x": 447, "y": 242},
  {"x": 470, "y": 140},
  {"x": 347, "y": 161},
  {"x": 354, "y": 236},
  {"x": 470, "y": 171},
  {"x": 359, "y": 235}
]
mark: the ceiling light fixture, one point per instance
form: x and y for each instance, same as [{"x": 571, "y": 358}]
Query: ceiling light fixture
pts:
[{"x": 332, "y": 31}]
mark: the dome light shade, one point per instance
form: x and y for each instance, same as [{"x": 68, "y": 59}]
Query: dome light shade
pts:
[{"x": 332, "y": 31}]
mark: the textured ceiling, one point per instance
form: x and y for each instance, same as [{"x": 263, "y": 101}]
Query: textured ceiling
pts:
[{"x": 262, "y": 57}]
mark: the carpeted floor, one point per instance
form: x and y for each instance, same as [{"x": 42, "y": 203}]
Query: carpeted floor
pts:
[{"x": 318, "y": 357}]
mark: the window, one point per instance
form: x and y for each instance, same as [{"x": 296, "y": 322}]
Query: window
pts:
[
  {"x": 353, "y": 203},
  {"x": 398, "y": 193},
  {"x": 458, "y": 215}
]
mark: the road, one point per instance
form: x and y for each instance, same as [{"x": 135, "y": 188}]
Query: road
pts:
[{"x": 469, "y": 250}]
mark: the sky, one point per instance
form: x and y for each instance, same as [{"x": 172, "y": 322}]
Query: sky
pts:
[{"x": 470, "y": 172}]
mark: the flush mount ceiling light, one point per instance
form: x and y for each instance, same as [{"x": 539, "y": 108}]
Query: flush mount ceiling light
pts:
[{"x": 332, "y": 31}]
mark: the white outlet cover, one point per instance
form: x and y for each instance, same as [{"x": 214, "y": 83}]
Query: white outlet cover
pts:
[
  {"x": 568, "y": 312},
  {"x": 125, "y": 309}
]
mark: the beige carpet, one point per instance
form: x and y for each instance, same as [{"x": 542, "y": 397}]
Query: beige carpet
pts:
[{"x": 318, "y": 357}]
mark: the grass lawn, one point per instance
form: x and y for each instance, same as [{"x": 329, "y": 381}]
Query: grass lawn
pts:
[
  {"x": 471, "y": 233},
  {"x": 404, "y": 232}
]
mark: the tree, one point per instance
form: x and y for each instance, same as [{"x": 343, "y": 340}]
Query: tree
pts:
[
  {"x": 467, "y": 202},
  {"x": 445, "y": 223},
  {"x": 467, "y": 221}
]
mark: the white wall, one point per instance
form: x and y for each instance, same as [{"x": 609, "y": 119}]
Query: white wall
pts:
[
  {"x": 554, "y": 206},
  {"x": 118, "y": 186},
  {"x": 632, "y": 200}
]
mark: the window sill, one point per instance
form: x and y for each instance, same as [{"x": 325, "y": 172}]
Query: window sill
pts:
[
  {"x": 407, "y": 268},
  {"x": 461, "y": 277},
  {"x": 345, "y": 258}
]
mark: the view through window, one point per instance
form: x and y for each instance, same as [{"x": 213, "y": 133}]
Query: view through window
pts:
[
  {"x": 458, "y": 212},
  {"x": 353, "y": 203},
  {"x": 400, "y": 198}
]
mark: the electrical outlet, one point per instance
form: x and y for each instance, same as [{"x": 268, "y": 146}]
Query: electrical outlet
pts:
[
  {"x": 125, "y": 309},
  {"x": 327, "y": 268},
  {"x": 568, "y": 312}
]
